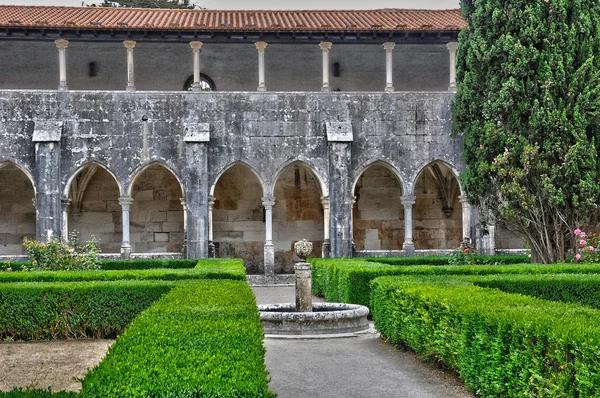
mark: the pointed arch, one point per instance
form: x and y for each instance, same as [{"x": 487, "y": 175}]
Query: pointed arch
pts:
[
  {"x": 385, "y": 164},
  {"x": 140, "y": 169},
  {"x": 236, "y": 163},
  {"x": 82, "y": 168},
  {"x": 309, "y": 165},
  {"x": 18, "y": 165},
  {"x": 423, "y": 166}
]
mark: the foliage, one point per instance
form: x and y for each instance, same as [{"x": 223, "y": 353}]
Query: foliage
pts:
[
  {"x": 527, "y": 105},
  {"x": 205, "y": 269},
  {"x": 348, "y": 280},
  {"x": 587, "y": 247},
  {"x": 150, "y": 3},
  {"x": 203, "y": 339},
  {"x": 444, "y": 260},
  {"x": 57, "y": 254},
  {"x": 462, "y": 255},
  {"x": 502, "y": 345},
  {"x": 36, "y": 393},
  {"x": 43, "y": 311},
  {"x": 147, "y": 264}
]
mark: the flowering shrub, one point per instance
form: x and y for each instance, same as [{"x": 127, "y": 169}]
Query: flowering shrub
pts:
[
  {"x": 462, "y": 255},
  {"x": 587, "y": 247},
  {"x": 57, "y": 254}
]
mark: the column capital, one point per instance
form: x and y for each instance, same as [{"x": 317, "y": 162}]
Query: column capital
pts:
[
  {"x": 408, "y": 200},
  {"x": 65, "y": 203},
  {"x": 211, "y": 201},
  {"x": 463, "y": 199},
  {"x": 389, "y": 46},
  {"x": 325, "y": 202},
  {"x": 260, "y": 46},
  {"x": 325, "y": 46},
  {"x": 183, "y": 203},
  {"x": 268, "y": 201},
  {"x": 196, "y": 45},
  {"x": 129, "y": 44},
  {"x": 61, "y": 44},
  {"x": 125, "y": 202},
  {"x": 452, "y": 46}
]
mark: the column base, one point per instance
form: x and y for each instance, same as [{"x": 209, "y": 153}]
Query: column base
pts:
[
  {"x": 196, "y": 89},
  {"x": 409, "y": 248},
  {"x": 261, "y": 88},
  {"x": 452, "y": 87},
  {"x": 63, "y": 88},
  {"x": 125, "y": 252},
  {"x": 269, "y": 260},
  {"x": 211, "y": 250},
  {"x": 326, "y": 251},
  {"x": 389, "y": 89},
  {"x": 325, "y": 88},
  {"x": 130, "y": 89}
]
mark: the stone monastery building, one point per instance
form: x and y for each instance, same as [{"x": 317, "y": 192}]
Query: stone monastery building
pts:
[{"x": 232, "y": 133}]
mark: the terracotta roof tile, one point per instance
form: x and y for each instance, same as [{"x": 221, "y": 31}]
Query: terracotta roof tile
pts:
[{"x": 138, "y": 18}]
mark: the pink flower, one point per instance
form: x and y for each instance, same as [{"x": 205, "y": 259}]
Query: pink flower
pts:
[
  {"x": 577, "y": 232},
  {"x": 466, "y": 250},
  {"x": 578, "y": 256},
  {"x": 591, "y": 248},
  {"x": 582, "y": 235},
  {"x": 582, "y": 242}
]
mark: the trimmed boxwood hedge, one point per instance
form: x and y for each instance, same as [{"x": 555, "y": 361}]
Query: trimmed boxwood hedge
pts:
[
  {"x": 204, "y": 269},
  {"x": 36, "y": 393},
  {"x": 501, "y": 344},
  {"x": 43, "y": 311},
  {"x": 203, "y": 339},
  {"x": 347, "y": 280},
  {"x": 147, "y": 264},
  {"x": 443, "y": 260}
]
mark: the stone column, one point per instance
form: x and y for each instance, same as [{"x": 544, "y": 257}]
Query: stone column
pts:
[
  {"x": 466, "y": 218},
  {"x": 62, "y": 62},
  {"x": 65, "y": 203},
  {"x": 260, "y": 46},
  {"x": 325, "y": 47},
  {"x": 184, "y": 247},
  {"x": 452, "y": 50},
  {"x": 195, "y": 175},
  {"x": 268, "y": 202},
  {"x": 211, "y": 245},
  {"x": 130, "y": 45},
  {"x": 196, "y": 45},
  {"x": 125, "y": 202},
  {"x": 326, "y": 245},
  {"x": 303, "y": 284},
  {"x": 46, "y": 136},
  {"x": 408, "y": 201},
  {"x": 389, "y": 47}
]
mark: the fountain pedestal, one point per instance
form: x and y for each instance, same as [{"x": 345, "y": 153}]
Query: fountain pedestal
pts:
[{"x": 303, "y": 287}]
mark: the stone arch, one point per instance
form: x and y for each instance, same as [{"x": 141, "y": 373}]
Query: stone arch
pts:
[
  {"x": 437, "y": 212},
  {"x": 94, "y": 211},
  {"x": 233, "y": 164},
  {"x": 309, "y": 165},
  {"x": 297, "y": 213},
  {"x": 385, "y": 164},
  {"x": 156, "y": 213},
  {"x": 17, "y": 207},
  {"x": 13, "y": 162},
  {"x": 238, "y": 216},
  {"x": 423, "y": 166},
  {"x": 140, "y": 169},
  {"x": 378, "y": 212}
]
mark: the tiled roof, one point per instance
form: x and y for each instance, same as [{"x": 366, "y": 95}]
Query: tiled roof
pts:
[{"x": 161, "y": 19}]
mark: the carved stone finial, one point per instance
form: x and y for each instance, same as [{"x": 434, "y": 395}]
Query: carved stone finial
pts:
[{"x": 303, "y": 249}]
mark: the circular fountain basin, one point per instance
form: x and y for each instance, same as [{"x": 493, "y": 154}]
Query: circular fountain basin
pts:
[{"x": 326, "y": 318}]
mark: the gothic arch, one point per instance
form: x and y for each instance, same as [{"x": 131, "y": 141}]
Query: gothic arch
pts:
[
  {"x": 18, "y": 165},
  {"x": 236, "y": 163},
  {"x": 360, "y": 171},
  {"x": 139, "y": 170},
  {"x": 309, "y": 165},
  {"x": 81, "y": 168}
]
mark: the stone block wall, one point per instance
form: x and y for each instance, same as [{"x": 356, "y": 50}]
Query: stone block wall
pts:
[
  {"x": 17, "y": 210},
  {"x": 156, "y": 212},
  {"x": 378, "y": 211}
]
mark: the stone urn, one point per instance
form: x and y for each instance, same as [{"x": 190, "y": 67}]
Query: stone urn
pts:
[{"x": 303, "y": 249}]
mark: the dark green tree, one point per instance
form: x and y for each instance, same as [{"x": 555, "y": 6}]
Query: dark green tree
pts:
[
  {"x": 150, "y": 3},
  {"x": 527, "y": 103}
]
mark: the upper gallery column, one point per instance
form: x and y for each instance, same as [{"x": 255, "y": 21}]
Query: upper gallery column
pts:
[
  {"x": 196, "y": 46},
  {"x": 452, "y": 51},
  {"x": 62, "y": 62},
  {"x": 260, "y": 46},
  {"x": 130, "y": 45},
  {"x": 325, "y": 47},
  {"x": 389, "y": 47},
  {"x": 466, "y": 218}
]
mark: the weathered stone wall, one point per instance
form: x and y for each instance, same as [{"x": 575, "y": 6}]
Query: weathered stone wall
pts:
[
  {"x": 238, "y": 218},
  {"x": 233, "y": 67},
  {"x": 297, "y": 215},
  {"x": 507, "y": 240},
  {"x": 100, "y": 213},
  {"x": 156, "y": 212},
  {"x": 17, "y": 212},
  {"x": 378, "y": 212}
]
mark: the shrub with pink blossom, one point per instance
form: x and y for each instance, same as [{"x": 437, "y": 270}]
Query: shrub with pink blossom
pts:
[{"x": 587, "y": 247}]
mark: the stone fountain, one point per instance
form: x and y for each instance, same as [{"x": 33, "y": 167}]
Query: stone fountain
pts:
[{"x": 308, "y": 318}]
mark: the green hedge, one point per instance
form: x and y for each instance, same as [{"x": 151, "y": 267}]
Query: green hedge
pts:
[
  {"x": 347, "y": 280},
  {"x": 203, "y": 339},
  {"x": 36, "y": 393},
  {"x": 205, "y": 269},
  {"x": 43, "y": 311},
  {"x": 501, "y": 344},
  {"x": 581, "y": 289},
  {"x": 443, "y": 260},
  {"x": 147, "y": 264}
]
